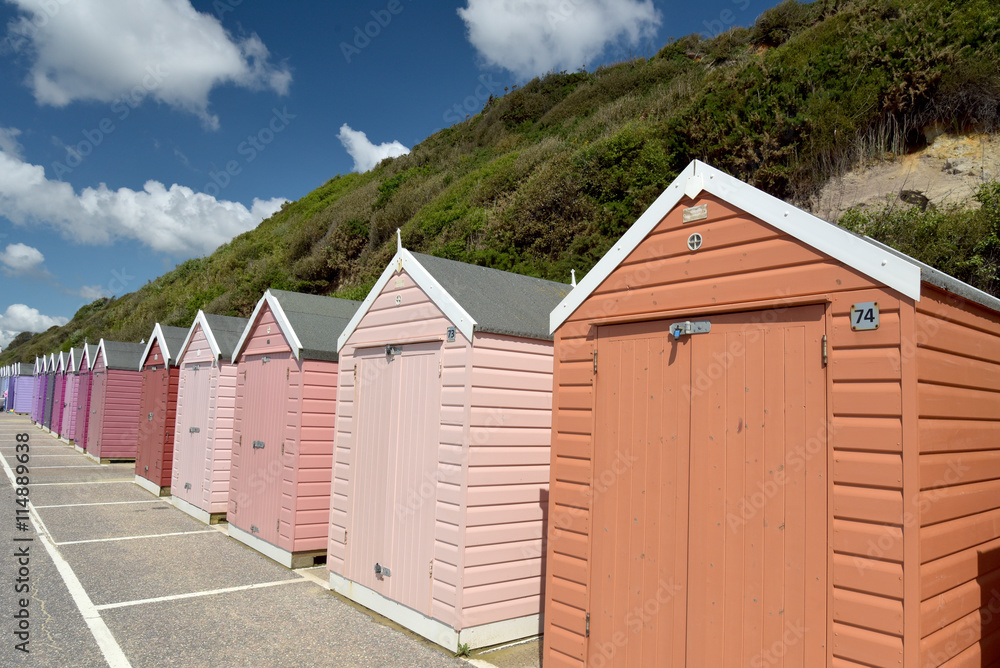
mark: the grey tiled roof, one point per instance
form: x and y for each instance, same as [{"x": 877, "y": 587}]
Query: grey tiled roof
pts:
[
  {"x": 173, "y": 338},
  {"x": 123, "y": 355},
  {"x": 227, "y": 331},
  {"x": 317, "y": 321},
  {"x": 499, "y": 301}
]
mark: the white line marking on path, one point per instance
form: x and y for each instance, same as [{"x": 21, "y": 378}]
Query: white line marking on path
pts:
[
  {"x": 212, "y": 592},
  {"x": 106, "y": 642},
  {"x": 154, "y": 535},
  {"x": 84, "y": 482},
  {"x": 103, "y": 503},
  {"x": 88, "y": 466}
]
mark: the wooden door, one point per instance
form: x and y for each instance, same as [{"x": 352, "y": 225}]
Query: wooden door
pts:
[
  {"x": 191, "y": 441},
  {"x": 98, "y": 399},
  {"x": 152, "y": 424},
  {"x": 257, "y": 459},
  {"x": 709, "y": 543},
  {"x": 395, "y": 472}
]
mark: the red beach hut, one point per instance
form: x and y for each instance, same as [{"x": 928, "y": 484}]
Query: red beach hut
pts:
[
  {"x": 158, "y": 409},
  {"x": 442, "y": 450},
  {"x": 279, "y": 494},
  {"x": 114, "y": 402},
  {"x": 206, "y": 404}
]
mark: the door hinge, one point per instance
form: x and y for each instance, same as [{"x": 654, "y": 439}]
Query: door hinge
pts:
[
  {"x": 236, "y": 504},
  {"x": 277, "y": 526},
  {"x": 430, "y": 569},
  {"x": 239, "y": 441},
  {"x": 287, "y": 373},
  {"x": 826, "y": 356},
  {"x": 588, "y": 626},
  {"x": 440, "y": 368},
  {"x": 345, "y": 537},
  {"x": 595, "y": 361},
  {"x": 282, "y": 447}
]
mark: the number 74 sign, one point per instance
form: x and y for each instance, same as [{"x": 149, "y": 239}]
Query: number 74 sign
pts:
[{"x": 864, "y": 316}]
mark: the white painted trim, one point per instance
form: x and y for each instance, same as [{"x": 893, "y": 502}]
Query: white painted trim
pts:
[
  {"x": 878, "y": 264},
  {"x": 102, "y": 353},
  {"x": 157, "y": 335},
  {"x": 209, "y": 336},
  {"x": 194, "y": 511},
  {"x": 273, "y": 552},
  {"x": 150, "y": 486},
  {"x": 279, "y": 317},
  {"x": 403, "y": 260},
  {"x": 436, "y": 631},
  {"x": 61, "y": 367}
]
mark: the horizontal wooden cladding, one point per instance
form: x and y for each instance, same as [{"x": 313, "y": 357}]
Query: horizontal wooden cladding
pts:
[
  {"x": 873, "y": 434},
  {"x": 865, "y": 364},
  {"x": 945, "y": 368},
  {"x": 932, "y": 332},
  {"x": 880, "y": 541},
  {"x": 882, "y": 578},
  {"x": 955, "y": 638},
  {"x": 943, "y": 401},
  {"x": 871, "y": 648},
  {"x": 948, "y": 435},
  {"x": 949, "y": 572},
  {"x": 946, "y": 608},
  {"x": 792, "y": 281},
  {"x": 868, "y": 468},
  {"x": 956, "y": 468},
  {"x": 875, "y": 613},
  {"x": 945, "y": 503},
  {"x": 842, "y": 337},
  {"x": 944, "y": 538},
  {"x": 867, "y": 398},
  {"x": 884, "y": 506}
]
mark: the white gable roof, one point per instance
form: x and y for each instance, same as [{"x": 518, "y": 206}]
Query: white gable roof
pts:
[
  {"x": 209, "y": 336},
  {"x": 876, "y": 262},
  {"x": 403, "y": 260},
  {"x": 169, "y": 356}
]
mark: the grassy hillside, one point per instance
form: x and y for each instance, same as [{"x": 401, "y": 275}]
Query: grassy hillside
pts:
[{"x": 549, "y": 175}]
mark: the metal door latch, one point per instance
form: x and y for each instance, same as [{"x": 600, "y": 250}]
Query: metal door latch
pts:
[
  {"x": 187, "y": 485},
  {"x": 391, "y": 351},
  {"x": 381, "y": 572},
  {"x": 150, "y": 416},
  {"x": 194, "y": 430},
  {"x": 258, "y": 445},
  {"x": 686, "y": 328}
]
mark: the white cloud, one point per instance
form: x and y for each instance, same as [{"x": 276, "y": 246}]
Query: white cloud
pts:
[
  {"x": 174, "y": 220},
  {"x": 366, "y": 154},
  {"x": 21, "y": 257},
  {"x": 21, "y": 318},
  {"x": 92, "y": 292},
  {"x": 114, "y": 50},
  {"x": 532, "y": 37},
  {"x": 8, "y": 141}
]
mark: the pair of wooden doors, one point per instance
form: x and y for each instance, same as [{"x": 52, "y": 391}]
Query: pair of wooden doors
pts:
[{"x": 709, "y": 529}]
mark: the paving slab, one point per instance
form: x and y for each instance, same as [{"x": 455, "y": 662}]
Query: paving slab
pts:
[
  {"x": 57, "y": 495},
  {"x": 43, "y": 461},
  {"x": 287, "y": 625},
  {"x": 89, "y": 474},
  {"x": 58, "y": 634},
  {"x": 117, "y": 521},
  {"x": 168, "y": 566}
]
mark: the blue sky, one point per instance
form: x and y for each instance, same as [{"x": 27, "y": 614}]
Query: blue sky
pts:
[{"x": 135, "y": 134}]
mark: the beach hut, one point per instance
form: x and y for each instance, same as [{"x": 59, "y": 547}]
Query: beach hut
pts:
[
  {"x": 22, "y": 383},
  {"x": 158, "y": 409},
  {"x": 38, "y": 391},
  {"x": 51, "y": 362},
  {"x": 5, "y": 385},
  {"x": 114, "y": 401},
  {"x": 773, "y": 442},
  {"x": 279, "y": 492},
  {"x": 83, "y": 411},
  {"x": 442, "y": 450},
  {"x": 71, "y": 394},
  {"x": 59, "y": 397},
  {"x": 206, "y": 403}
]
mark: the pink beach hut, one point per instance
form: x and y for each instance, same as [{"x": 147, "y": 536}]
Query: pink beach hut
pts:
[
  {"x": 38, "y": 390},
  {"x": 59, "y": 400},
  {"x": 82, "y": 420},
  {"x": 206, "y": 403},
  {"x": 286, "y": 390},
  {"x": 72, "y": 383},
  {"x": 114, "y": 402},
  {"x": 442, "y": 452}
]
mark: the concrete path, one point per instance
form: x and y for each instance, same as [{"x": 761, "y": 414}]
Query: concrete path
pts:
[{"x": 118, "y": 577}]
